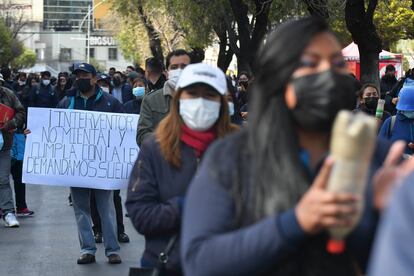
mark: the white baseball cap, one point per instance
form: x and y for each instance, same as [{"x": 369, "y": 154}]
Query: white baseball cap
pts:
[{"x": 203, "y": 73}]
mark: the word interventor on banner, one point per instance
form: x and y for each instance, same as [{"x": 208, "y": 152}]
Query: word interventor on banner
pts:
[{"x": 79, "y": 148}]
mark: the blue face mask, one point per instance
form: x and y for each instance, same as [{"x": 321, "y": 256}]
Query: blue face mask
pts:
[
  {"x": 1, "y": 141},
  {"x": 408, "y": 114},
  {"x": 138, "y": 91}
]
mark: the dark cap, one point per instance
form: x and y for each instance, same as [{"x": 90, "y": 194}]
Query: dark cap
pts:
[
  {"x": 104, "y": 77},
  {"x": 84, "y": 67},
  {"x": 45, "y": 73}
]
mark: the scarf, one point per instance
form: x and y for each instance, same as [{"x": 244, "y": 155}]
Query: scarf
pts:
[{"x": 198, "y": 140}]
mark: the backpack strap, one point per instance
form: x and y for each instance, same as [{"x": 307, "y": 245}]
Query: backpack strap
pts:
[{"x": 391, "y": 125}]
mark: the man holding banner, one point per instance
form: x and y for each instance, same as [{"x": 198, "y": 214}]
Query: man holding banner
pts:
[
  {"x": 12, "y": 115},
  {"x": 89, "y": 96}
]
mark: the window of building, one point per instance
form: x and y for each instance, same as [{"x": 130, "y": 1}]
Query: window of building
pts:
[
  {"x": 113, "y": 53},
  {"x": 91, "y": 52},
  {"x": 65, "y": 54}
]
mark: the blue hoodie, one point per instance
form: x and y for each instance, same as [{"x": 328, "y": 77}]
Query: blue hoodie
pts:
[{"x": 403, "y": 130}]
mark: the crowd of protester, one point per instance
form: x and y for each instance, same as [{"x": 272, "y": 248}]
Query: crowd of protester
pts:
[{"x": 232, "y": 171}]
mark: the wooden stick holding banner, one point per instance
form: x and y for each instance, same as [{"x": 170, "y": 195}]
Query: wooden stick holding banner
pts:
[{"x": 78, "y": 148}]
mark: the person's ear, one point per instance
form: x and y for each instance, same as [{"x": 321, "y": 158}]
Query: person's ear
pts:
[
  {"x": 290, "y": 96},
  {"x": 93, "y": 80}
]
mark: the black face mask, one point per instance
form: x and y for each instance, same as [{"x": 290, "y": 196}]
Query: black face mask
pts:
[
  {"x": 117, "y": 82},
  {"x": 371, "y": 103},
  {"x": 84, "y": 85},
  {"x": 320, "y": 97}
]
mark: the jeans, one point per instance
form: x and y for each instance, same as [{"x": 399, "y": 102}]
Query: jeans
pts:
[
  {"x": 106, "y": 209},
  {"x": 6, "y": 194},
  {"x": 19, "y": 186},
  {"x": 118, "y": 209}
]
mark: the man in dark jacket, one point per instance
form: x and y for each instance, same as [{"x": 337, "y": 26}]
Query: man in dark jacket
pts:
[
  {"x": 7, "y": 126},
  {"x": 43, "y": 94},
  {"x": 122, "y": 91},
  {"x": 89, "y": 96},
  {"x": 391, "y": 99},
  {"x": 7, "y": 78},
  {"x": 156, "y": 105},
  {"x": 388, "y": 81},
  {"x": 154, "y": 73}
]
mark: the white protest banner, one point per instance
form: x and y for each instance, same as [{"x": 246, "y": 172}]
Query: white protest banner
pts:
[{"x": 78, "y": 148}]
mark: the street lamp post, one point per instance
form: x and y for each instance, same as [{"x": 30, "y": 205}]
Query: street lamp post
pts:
[{"x": 88, "y": 34}]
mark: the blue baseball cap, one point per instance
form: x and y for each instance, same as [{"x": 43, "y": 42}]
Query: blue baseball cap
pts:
[{"x": 84, "y": 67}]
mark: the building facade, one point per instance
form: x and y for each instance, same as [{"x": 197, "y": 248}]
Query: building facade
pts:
[{"x": 57, "y": 31}]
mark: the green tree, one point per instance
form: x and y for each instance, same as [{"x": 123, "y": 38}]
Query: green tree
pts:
[
  {"x": 394, "y": 21},
  {"x": 6, "y": 44},
  {"x": 98, "y": 66},
  {"x": 26, "y": 60},
  {"x": 238, "y": 26}
]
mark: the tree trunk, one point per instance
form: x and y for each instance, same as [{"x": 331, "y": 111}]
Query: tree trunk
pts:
[
  {"x": 359, "y": 21},
  {"x": 318, "y": 8},
  {"x": 225, "y": 52},
  {"x": 369, "y": 66},
  {"x": 154, "y": 40},
  {"x": 250, "y": 37}
]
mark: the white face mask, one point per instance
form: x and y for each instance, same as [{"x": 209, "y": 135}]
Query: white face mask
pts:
[
  {"x": 105, "y": 89},
  {"x": 231, "y": 108},
  {"x": 174, "y": 75},
  {"x": 21, "y": 83},
  {"x": 199, "y": 114},
  {"x": 45, "y": 82}
]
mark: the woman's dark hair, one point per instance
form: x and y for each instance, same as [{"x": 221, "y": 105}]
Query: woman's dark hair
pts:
[
  {"x": 361, "y": 91},
  {"x": 279, "y": 179}
]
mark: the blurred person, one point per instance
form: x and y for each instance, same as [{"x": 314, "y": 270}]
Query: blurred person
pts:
[
  {"x": 391, "y": 98},
  {"x": 130, "y": 69},
  {"x": 7, "y": 78},
  {"x": 104, "y": 82},
  {"x": 401, "y": 125},
  {"x": 89, "y": 96},
  {"x": 17, "y": 153},
  {"x": 368, "y": 98},
  {"x": 20, "y": 84},
  {"x": 392, "y": 253},
  {"x": 10, "y": 100},
  {"x": 134, "y": 106},
  {"x": 61, "y": 86},
  {"x": 131, "y": 77},
  {"x": 242, "y": 94},
  {"x": 111, "y": 71},
  {"x": 140, "y": 71},
  {"x": 43, "y": 94},
  {"x": 168, "y": 160},
  {"x": 388, "y": 81},
  {"x": 234, "y": 110},
  {"x": 154, "y": 73},
  {"x": 258, "y": 204},
  {"x": 156, "y": 104},
  {"x": 121, "y": 91},
  {"x": 97, "y": 224},
  {"x": 53, "y": 81}
]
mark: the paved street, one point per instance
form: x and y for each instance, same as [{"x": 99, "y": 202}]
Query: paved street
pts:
[{"x": 47, "y": 244}]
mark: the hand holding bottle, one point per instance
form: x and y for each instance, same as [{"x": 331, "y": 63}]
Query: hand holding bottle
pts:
[{"x": 319, "y": 209}]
